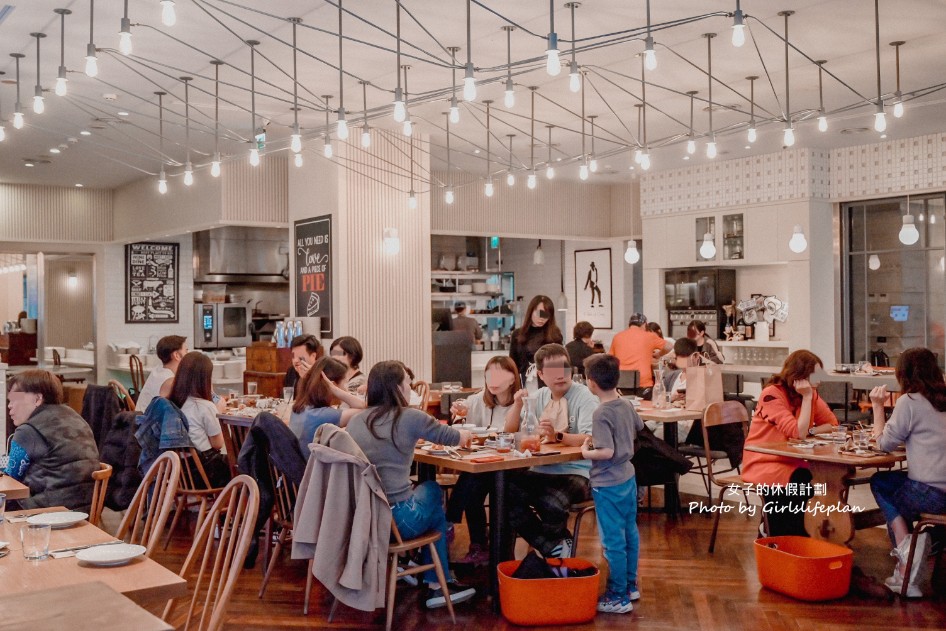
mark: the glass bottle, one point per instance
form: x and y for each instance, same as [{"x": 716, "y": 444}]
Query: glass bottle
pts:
[
  {"x": 529, "y": 427},
  {"x": 658, "y": 394}
]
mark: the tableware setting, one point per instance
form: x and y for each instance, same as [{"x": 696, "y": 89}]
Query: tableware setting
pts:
[
  {"x": 110, "y": 555},
  {"x": 58, "y": 520}
]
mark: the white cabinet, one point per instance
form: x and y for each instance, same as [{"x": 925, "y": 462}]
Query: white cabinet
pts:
[{"x": 762, "y": 242}]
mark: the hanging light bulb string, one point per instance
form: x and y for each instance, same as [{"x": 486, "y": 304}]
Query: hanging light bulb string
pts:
[
  {"x": 489, "y": 175},
  {"x": 342, "y": 123},
  {"x": 295, "y": 86},
  {"x": 38, "y": 106},
  {"x": 449, "y": 165},
  {"x": 61, "y": 78}
]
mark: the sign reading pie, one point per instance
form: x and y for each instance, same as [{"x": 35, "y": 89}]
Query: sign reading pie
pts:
[{"x": 312, "y": 239}]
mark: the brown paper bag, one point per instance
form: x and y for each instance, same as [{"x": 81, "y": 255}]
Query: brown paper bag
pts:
[{"x": 704, "y": 386}]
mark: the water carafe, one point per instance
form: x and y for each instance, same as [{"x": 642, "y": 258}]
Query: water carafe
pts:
[{"x": 528, "y": 437}]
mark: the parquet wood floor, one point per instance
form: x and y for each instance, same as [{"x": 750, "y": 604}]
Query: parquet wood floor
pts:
[{"x": 683, "y": 587}]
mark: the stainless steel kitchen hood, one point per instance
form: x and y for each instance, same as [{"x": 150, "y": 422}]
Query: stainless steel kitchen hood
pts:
[{"x": 238, "y": 254}]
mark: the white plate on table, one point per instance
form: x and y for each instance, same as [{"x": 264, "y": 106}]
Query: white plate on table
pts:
[
  {"x": 480, "y": 430},
  {"x": 61, "y": 519},
  {"x": 434, "y": 452},
  {"x": 108, "y": 556}
]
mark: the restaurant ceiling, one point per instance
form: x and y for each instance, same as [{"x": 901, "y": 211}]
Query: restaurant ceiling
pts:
[{"x": 122, "y": 148}]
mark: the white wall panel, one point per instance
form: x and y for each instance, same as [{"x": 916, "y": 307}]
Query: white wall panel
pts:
[
  {"x": 69, "y": 310},
  {"x": 55, "y": 214},
  {"x": 253, "y": 195}
]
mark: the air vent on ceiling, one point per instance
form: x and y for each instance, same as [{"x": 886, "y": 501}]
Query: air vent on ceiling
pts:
[{"x": 855, "y": 130}]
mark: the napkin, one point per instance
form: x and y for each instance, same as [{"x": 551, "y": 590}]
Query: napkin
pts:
[
  {"x": 522, "y": 454},
  {"x": 62, "y": 555}
]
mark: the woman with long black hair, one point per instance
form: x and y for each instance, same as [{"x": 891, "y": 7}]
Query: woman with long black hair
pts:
[
  {"x": 538, "y": 329},
  {"x": 387, "y": 432},
  {"x": 919, "y": 422}
]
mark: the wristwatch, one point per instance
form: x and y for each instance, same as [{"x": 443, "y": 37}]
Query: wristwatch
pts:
[
  {"x": 559, "y": 437},
  {"x": 811, "y": 431}
]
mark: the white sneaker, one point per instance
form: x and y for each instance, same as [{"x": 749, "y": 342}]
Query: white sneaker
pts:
[
  {"x": 410, "y": 579},
  {"x": 919, "y": 570},
  {"x": 562, "y": 551}
]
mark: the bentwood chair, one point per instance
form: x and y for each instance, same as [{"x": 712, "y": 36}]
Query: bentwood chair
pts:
[
  {"x": 927, "y": 520},
  {"x": 137, "y": 375},
  {"x": 422, "y": 388},
  {"x": 151, "y": 506},
  {"x": 123, "y": 395},
  {"x": 194, "y": 490},
  {"x": 216, "y": 557},
  {"x": 283, "y": 507},
  {"x": 100, "y": 478},
  {"x": 580, "y": 509}
]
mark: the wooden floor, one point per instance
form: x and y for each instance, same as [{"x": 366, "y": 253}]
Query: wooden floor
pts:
[{"x": 683, "y": 587}]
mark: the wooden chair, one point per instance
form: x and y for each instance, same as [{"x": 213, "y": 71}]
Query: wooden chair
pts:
[
  {"x": 194, "y": 489},
  {"x": 57, "y": 361},
  {"x": 397, "y": 547},
  {"x": 717, "y": 414},
  {"x": 137, "y": 375},
  {"x": 122, "y": 392},
  {"x": 150, "y": 507},
  {"x": 233, "y": 437},
  {"x": 283, "y": 507},
  {"x": 422, "y": 388},
  {"x": 216, "y": 557},
  {"x": 100, "y": 478},
  {"x": 580, "y": 509},
  {"x": 927, "y": 520}
]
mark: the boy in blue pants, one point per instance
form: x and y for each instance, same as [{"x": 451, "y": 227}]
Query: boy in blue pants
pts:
[{"x": 614, "y": 427}]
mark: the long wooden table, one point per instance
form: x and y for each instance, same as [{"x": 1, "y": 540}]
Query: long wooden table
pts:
[
  {"x": 142, "y": 580},
  {"x": 501, "y": 542},
  {"x": 858, "y": 380},
  {"x": 92, "y": 605},
  {"x": 13, "y": 488},
  {"x": 669, "y": 417},
  {"x": 828, "y": 516}
]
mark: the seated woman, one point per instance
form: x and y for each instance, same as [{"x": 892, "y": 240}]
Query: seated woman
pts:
[
  {"x": 919, "y": 422},
  {"x": 788, "y": 408},
  {"x": 582, "y": 346},
  {"x": 192, "y": 393},
  {"x": 387, "y": 433},
  {"x": 487, "y": 408},
  {"x": 348, "y": 351},
  {"x": 707, "y": 346},
  {"x": 319, "y": 394},
  {"x": 53, "y": 451}
]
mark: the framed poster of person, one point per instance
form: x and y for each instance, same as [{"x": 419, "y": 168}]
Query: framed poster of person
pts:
[
  {"x": 151, "y": 282},
  {"x": 313, "y": 247},
  {"x": 593, "y": 292}
]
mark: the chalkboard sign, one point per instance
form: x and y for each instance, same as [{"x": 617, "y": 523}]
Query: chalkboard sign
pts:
[
  {"x": 151, "y": 287},
  {"x": 313, "y": 243}
]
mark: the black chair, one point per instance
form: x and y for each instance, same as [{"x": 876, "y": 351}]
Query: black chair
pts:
[{"x": 629, "y": 382}]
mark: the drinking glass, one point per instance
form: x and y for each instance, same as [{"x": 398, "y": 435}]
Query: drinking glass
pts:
[
  {"x": 288, "y": 393},
  {"x": 505, "y": 442},
  {"x": 3, "y": 506},
  {"x": 461, "y": 409},
  {"x": 35, "y": 540},
  {"x": 251, "y": 387},
  {"x": 862, "y": 439}
]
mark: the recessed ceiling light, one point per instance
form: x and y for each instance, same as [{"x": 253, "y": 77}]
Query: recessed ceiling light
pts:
[
  {"x": 684, "y": 157},
  {"x": 85, "y": 133},
  {"x": 558, "y": 160},
  {"x": 883, "y": 136},
  {"x": 123, "y": 113},
  {"x": 54, "y": 150},
  {"x": 476, "y": 151},
  {"x": 78, "y": 186},
  {"x": 27, "y": 164},
  {"x": 748, "y": 147},
  {"x": 110, "y": 96}
]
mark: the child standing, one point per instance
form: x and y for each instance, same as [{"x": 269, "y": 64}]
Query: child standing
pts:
[{"x": 614, "y": 426}]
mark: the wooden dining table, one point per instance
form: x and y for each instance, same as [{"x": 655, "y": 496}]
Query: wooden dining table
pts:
[
  {"x": 13, "y": 488},
  {"x": 828, "y": 515},
  {"x": 143, "y": 580},
  {"x": 501, "y": 541},
  {"x": 669, "y": 417}
]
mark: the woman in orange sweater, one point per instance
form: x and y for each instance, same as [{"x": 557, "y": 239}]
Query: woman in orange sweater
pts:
[{"x": 789, "y": 407}]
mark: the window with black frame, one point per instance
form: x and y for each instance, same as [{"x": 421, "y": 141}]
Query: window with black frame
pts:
[{"x": 895, "y": 287}]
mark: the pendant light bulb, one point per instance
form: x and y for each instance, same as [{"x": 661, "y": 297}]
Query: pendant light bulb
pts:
[
  {"x": 408, "y": 128},
  {"x": 162, "y": 183},
  {"x": 632, "y": 255},
  {"x": 489, "y": 189},
  {"x": 530, "y": 181},
  {"x": 18, "y": 118},
  {"x": 61, "y": 89},
  {"x": 550, "y": 172},
  {"x": 449, "y": 197},
  {"x": 753, "y": 135},
  {"x": 880, "y": 120},
  {"x": 873, "y": 262},
  {"x": 341, "y": 129},
  {"x": 574, "y": 79},
  {"x": 898, "y": 108},
  {"x": 39, "y": 103},
  {"x": 798, "y": 243},
  {"x": 254, "y": 157},
  {"x": 412, "y": 200},
  {"x": 509, "y": 100},
  {"x": 583, "y": 172},
  {"x": 510, "y": 179},
  {"x": 188, "y": 174},
  {"x": 124, "y": 37},
  {"x": 553, "y": 65},
  {"x": 327, "y": 148},
  {"x": 365, "y": 137},
  {"x": 538, "y": 256},
  {"x": 469, "y": 84},
  {"x": 691, "y": 146},
  {"x": 650, "y": 55},
  {"x": 908, "y": 232},
  {"x": 168, "y": 15},
  {"x": 822, "y": 123},
  {"x": 788, "y": 136},
  {"x": 645, "y": 161},
  {"x": 91, "y": 62},
  {"x": 593, "y": 165},
  {"x": 711, "y": 149},
  {"x": 708, "y": 248},
  {"x": 297, "y": 160},
  {"x": 3, "y": 133},
  {"x": 738, "y": 28},
  {"x": 215, "y": 166},
  {"x": 638, "y": 153},
  {"x": 400, "y": 109},
  {"x": 295, "y": 144},
  {"x": 454, "y": 111}
]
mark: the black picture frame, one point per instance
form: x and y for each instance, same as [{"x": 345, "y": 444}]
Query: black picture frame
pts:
[{"x": 152, "y": 283}]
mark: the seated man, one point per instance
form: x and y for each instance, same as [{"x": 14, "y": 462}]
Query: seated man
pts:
[{"x": 539, "y": 499}]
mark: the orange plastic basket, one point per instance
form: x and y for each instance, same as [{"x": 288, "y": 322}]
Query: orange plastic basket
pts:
[
  {"x": 544, "y": 601},
  {"x": 803, "y": 568}
]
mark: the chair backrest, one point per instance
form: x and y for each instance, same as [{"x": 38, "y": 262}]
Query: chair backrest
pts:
[
  {"x": 150, "y": 507},
  {"x": 233, "y": 438},
  {"x": 213, "y": 565},
  {"x": 137, "y": 372},
  {"x": 123, "y": 394},
  {"x": 422, "y": 388},
  {"x": 57, "y": 358},
  {"x": 100, "y": 486},
  {"x": 629, "y": 380},
  {"x": 732, "y": 383},
  {"x": 286, "y": 492},
  {"x": 193, "y": 476},
  {"x": 837, "y": 394},
  {"x": 717, "y": 414}
]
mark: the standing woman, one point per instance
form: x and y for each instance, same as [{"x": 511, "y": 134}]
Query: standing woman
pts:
[
  {"x": 538, "y": 329},
  {"x": 487, "y": 408},
  {"x": 317, "y": 400},
  {"x": 919, "y": 422},
  {"x": 789, "y": 408},
  {"x": 387, "y": 433},
  {"x": 348, "y": 351},
  {"x": 706, "y": 345},
  {"x": 193, "y": 394},
  {"x": 52, "y": 450}
]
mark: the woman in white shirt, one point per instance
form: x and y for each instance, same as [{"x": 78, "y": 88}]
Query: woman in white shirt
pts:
[
  {"x": 487, "y": 408},
  {"x": 192, "y": 393}
]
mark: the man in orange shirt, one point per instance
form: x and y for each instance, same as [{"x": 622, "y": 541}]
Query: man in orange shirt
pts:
[{"x": 635, "y": 347}]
